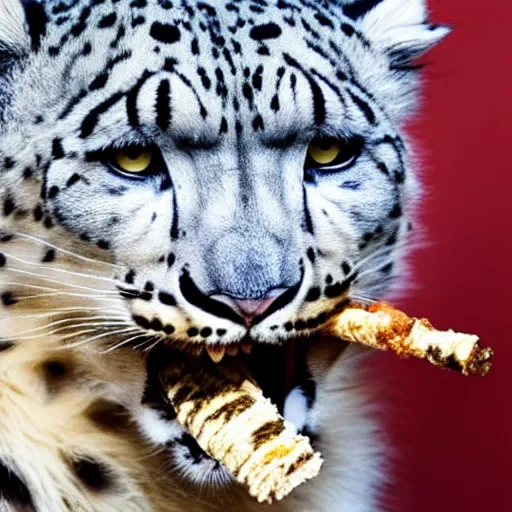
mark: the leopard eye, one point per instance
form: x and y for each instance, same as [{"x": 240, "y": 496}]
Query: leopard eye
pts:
[
  {"x": 324, "y": 152},
  {"x": 332, "y": 154},
  {"x": 132, "y": 160}
]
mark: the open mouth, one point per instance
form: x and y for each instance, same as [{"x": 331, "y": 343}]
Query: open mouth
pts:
[{"x": 277, "y": 369}]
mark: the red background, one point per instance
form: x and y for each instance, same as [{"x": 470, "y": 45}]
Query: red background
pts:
[{"x": 453, "y": 434}]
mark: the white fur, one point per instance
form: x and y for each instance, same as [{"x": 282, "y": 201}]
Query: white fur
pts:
[
  {"x": 158, "y": 431},
  {"x": 296, "y": 408},
  {"x": 12, "y": 27},
  {"x": 402, "y": 24}
]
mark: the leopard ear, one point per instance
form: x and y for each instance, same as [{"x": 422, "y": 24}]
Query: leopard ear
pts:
[
  {"x": 401, "y": 28},
  {"x": 22, "y": 25}
]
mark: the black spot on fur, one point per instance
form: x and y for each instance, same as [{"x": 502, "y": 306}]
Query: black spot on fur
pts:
[
  {"x": 8, "y": 163},
  {"x": 3, "y": 260},
  {"x": 6, "y": 345},
  {"x": 8, "y": 299},
  {"x": 72, "y": 180},
  {"x": 56, "y": 373},
  {"x": 109, "y": 415},
  {"x": 141, "y": 321},
  {"x": 13, "y": 490},
  {"x": 347, "y": 29},
  {"x": 55, "y": 368},
  {"x": 49, "y": 256},
  {"x": 52, "y": 193},
  {"x": 169, "y": 329},
  {"x": 156, "y": 325},
  {"x": 267, "y": 31},
  {"x": 326, "y": 22},
  {"x": 103, "y": 244},
  {"x": 221, "y": 332},
  {"x": 6, "y": 237},
  {"x": 108, "y": 20},
  {"x": 57, "y": 149},
  {"x": 396, "y": 212},
  {"x": 95, "y": 475},
  {"x": 170, "y": 260},
  {"x": 205, "y": 332},
  {"x": 257, "y": 123},
  {"x": 192, "y": 332},
  {"x": 9, "y": 206},
  {"x": 130, "y": 277},
  {"x": 165, "y": 33},
  {"x": 387, "y": 268},
  {"x": 167, "y": 299},
  {"x": 139, "y": 20},
  {"x": 345, "y": 266}
]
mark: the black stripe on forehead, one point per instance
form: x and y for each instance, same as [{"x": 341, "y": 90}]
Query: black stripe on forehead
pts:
[
  {"x": 318, "y": 96},
  {"x": 163, "y": 107}
]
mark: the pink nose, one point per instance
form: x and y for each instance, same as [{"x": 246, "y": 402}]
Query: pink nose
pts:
[{"x": 250, "y": 309}]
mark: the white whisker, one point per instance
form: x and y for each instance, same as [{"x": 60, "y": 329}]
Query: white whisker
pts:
[
  {"x": 61, "y": 311},
  {"x": 153, "y": 345},
  {"x": 68, "y": 294},
  {"x": 63, "y": 283},
  {"x": 57, "y": 269},
  {"x": 97, "y": 326},
  {"x": 94, "y": 338},
  {"x": 125, "y": 342},
  {"x": 65, "y": 251},
  {"x": 66, "y": 320}
]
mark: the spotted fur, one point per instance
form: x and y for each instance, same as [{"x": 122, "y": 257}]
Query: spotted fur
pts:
[{"x": 94, "y": 263}]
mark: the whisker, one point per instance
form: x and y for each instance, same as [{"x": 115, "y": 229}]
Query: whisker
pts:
[
  {"x": 153, "y": 345},
  {"x": 65, "y": 251},
  {"x": 64, "y": 283},
  {"x": 125, "y": 342},
  {"x": 362, "y": 298},
  {"x": 57, "y": 269},
  {"x": 61, "y": 311},
  {"x": 97, "y": 326},
  {"x": 88, "y": 340},
  {"x": 56, "y": 292},
  {"x": 65, "y": 320}
]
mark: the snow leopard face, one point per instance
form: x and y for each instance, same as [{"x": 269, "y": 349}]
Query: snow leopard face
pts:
[{"x": 240, "y": 161}]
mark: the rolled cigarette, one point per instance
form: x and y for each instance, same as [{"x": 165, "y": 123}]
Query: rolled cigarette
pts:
[
  {"x": 236, "y": 425},
  {"x": 383, "y": 327}
]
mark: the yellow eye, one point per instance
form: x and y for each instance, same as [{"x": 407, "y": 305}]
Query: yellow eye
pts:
[
  {"x": 134, "y": 160},
  {"x": 324, "y": 152}
]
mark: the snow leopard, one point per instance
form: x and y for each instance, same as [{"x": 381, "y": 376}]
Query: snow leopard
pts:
[{"x": 213, "y": 175}]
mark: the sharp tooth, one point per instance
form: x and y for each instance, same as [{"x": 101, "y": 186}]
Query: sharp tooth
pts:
[
  {"x": 197, "y": 350},
  {"x": 232, "y": 350},
  {"x": 216, "y": 353},
  {"x": 246, "y": 346}
]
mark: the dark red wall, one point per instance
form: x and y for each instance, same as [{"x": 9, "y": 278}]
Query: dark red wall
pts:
[{"x": 453, "y": 434}]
